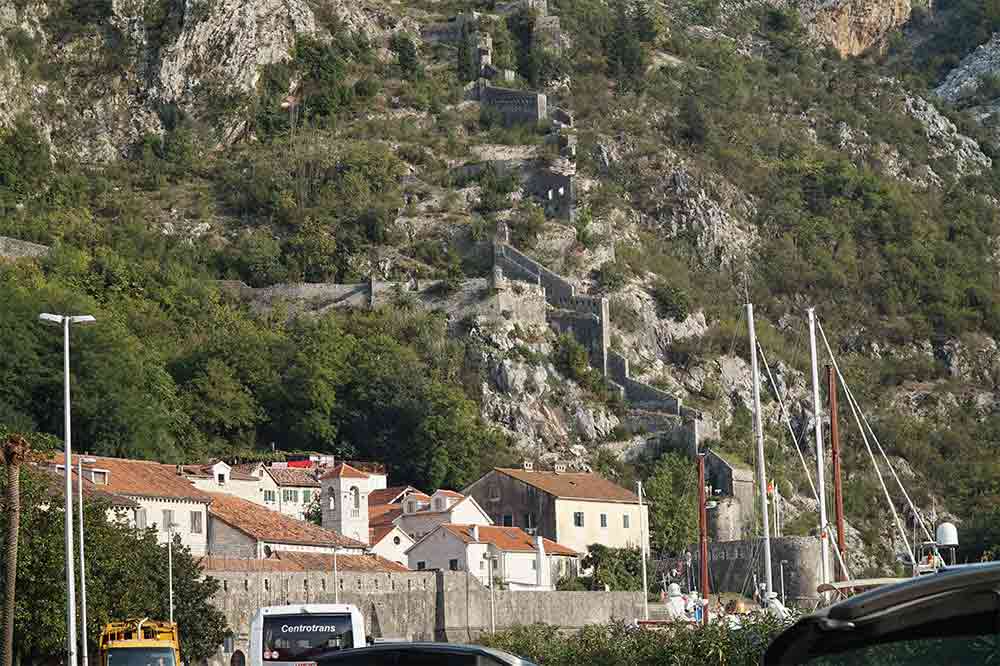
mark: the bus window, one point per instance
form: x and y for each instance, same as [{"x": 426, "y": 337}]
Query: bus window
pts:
[
  {"x": 140, "y": 657},
  {"x": 295, "y": 637}
]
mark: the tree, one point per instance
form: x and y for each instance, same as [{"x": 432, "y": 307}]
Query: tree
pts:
[
  {"x": 617, "y": 569},
  {"x": 672, "y": 490},
  {"x": 406, "y": 53},
  {"x": 626, "y": 55},
  {"x": 126, "y": 577},
  {"x": 13, "y": 452}
]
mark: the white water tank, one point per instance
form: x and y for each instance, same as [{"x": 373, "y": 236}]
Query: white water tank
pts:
[{"x": 947, "y": 535}]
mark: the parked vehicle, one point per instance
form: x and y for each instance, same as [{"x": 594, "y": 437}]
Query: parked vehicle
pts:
[
  {"x": 421, "y": 654},
  {"x": 294, "y": 635},
  {"x": 140, "y": 642},
  {"x": 943, "y": 618}
]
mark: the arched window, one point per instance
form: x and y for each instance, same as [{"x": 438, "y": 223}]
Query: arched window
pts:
[
  {"x": 333, "y": 499},
  {"x": 238, "y": 659},
  {"x": 355, "y": 502}
]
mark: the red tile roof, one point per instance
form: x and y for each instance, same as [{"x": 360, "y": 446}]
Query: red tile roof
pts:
[
  {"x": 378, "y": 532},
  {"x": 345, "y": 470},
  {"x": 205, "y": 472},
  {"x": 55, "y": 482},
  {"x": 141, "y": 478},
  {"x": 388, "y": 495},
  {"x": 286, "y": 561},
  {"x": 573, "y": 485},
  {"x": 285, "y": 476},
  {"x": 264, "y": 524},
  {"x": 507, "y": 539},
  {"x": 449, "y": 493},
  {"x": 384, "y": 514}
]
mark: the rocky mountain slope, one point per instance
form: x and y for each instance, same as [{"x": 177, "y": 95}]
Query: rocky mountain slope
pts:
[{"x": 719, "y": 151}]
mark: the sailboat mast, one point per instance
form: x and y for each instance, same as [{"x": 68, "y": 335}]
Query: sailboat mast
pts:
[
  {"x": 761, "y": 473},
  {"x": 838, "y": 494},
  {"x": 820, "y": 475}
]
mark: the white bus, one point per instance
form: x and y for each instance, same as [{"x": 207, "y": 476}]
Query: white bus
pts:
[{"x": 293, "y": 635}]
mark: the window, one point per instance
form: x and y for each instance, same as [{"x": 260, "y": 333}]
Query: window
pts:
[
  {"x": 168, "y": 520},
  {"x": 529, "y": 520},
  {"x": 604, "y": 520},
  {"x": 453, "y": 565},
  {"x": 332, "y": 499},
  {"x": 269, "y": 497},
  {"x": 99, "y": 478},
  {"x": 196, "y": 522},
  {"x": 221, "y": 478},
  {"x": 625, "y": 523},
  {"x": 482, "y": 564},
  {"x": 578, "y": 519},
  {"x": 140, "y": 519},
  {"x": 307, "y": 496},
  {"x": 534, "y": 564},
  {"x": 438, "y": 504},
  {"x": 355, "y": 502},
  {"x": 508, "y": 520},
  {"x": 395, "y": 540},
  {"x": 494, "y": 493},
  {"x": 411, "y": 507},
  {"x": 421, "y": 566},
  {"x": 290, "y": 496}
]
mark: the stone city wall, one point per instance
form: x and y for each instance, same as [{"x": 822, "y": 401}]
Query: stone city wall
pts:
[
  {"x": 432, "y": 605},
  {"x": 12, "y": 248},
  {"x": 515, "y": 106}
]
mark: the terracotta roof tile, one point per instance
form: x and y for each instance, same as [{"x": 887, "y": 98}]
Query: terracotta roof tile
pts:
[
  {"x": 574, "y": 485},
  {"x": 285, "y": 561},
  {"x": 507, "y": 538},
  {"x": 345, "y": 470},
  {"x": 384, "y": 514},
  {"x": 55, "y": 481},
  {"x": 449, "y": 493},
  {"x": 205, "y": 472},
  {"x": 387, "y": 495},
  {"x": 286, "y": 476},
  {"x": 141, "y": 478},
  {"x": 264, "y": 524}
]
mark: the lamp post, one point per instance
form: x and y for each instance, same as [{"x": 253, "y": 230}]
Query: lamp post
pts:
[
  {"x": 83, "y": 571},
  {"x": 490, "y": 558},
  {"x": 170, "y": 567},
  {"x": 642, "y": 547},
  {"x": 781, "y": 567},
  {"x": 65, "y": 321}
]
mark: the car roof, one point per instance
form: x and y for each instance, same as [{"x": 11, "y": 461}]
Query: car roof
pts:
[
  {"x": 959, "y": 600},
  {"x": 429, "y": 646}
]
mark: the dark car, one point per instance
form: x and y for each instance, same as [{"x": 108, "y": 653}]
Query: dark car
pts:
[
  {"x": 421, "y": 654},
  {"x": 947, "y": 618}
]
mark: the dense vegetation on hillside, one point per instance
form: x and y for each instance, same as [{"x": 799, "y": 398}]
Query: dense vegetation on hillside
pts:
[{"x": 177, "y": 368}]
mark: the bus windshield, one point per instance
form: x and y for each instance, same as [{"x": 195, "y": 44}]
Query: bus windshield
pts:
[
  {"x": 141, "y": 656},
  {"x": 293, "y": 637}
]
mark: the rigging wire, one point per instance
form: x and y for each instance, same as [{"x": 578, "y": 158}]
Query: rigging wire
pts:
[
  {"x": 825, "y": 529},
  {"x": 864, "y": 437}
]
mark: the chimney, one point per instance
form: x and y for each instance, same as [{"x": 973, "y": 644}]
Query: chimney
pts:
[
  {"x": 180, "y": 470},
  {"x": 528, "y": 465},
  {"x": 475, "y": 533},
  {"x": 540, "y": 570}
]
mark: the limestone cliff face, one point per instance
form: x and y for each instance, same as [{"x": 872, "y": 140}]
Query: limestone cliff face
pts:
[
  {"x": 854, "y": 26},
  {"x": 107, "y": 82}
]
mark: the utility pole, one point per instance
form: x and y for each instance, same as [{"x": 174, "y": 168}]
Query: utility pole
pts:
[
  {"x": 642, "y": 548},
  {"x": 761, "y": 472},
  {"x": 820, "y": 474},
  {"x": 838, "y": 491},
  {"x": 703, "y": 535}
]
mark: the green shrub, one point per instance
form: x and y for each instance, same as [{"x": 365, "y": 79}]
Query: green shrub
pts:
[
  {"x": 671, "y": 301},
  {"x": 612, "y": 276}
]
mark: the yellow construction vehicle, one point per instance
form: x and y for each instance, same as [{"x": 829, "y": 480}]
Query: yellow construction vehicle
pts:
[{"x": 140, "y": 642}]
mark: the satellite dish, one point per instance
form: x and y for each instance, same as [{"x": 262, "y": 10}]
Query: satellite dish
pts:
[{"x": 947, "y": 535}]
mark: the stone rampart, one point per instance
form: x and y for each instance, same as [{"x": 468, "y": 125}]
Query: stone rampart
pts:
[
  {"x": 12, "y": 248},
  {"x": 416, "y": 605},
  {"x": 515, "y": 106}
]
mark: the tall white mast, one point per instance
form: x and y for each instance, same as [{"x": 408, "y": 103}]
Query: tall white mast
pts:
[
  {"x": 761, "y": 474},
  {"x": 820, "y": 476}
]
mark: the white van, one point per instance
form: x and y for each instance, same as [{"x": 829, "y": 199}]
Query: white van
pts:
[{"x": 292, "y": 635}]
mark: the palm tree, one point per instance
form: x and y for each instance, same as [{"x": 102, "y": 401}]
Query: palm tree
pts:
[{"x": 13, "y": 451}]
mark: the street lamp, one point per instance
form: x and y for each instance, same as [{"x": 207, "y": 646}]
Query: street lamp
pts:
[
  {"x": 490, "y": 559},
  {"x": 642, "y": 547},
  {"x": 781, "y": 567},
  {"x": 83, "y": 571},
  {"x": 170, "y": 566},
  {"x": 65, "y": 321}
]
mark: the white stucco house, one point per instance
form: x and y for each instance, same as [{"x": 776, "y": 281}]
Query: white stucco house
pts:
[
  {"x": 220, "y": 477},
  {"x": 420, "y": 517},
  {"x": 517, "y": 560},
  {"x": 390, "y": 542},
  {"x": 165, "y": 499}
]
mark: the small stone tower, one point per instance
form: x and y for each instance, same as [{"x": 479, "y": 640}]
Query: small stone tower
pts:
[{"x": 345, "y": 501}]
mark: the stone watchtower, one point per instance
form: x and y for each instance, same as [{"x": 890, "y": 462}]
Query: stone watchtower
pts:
[{"x": 345, "y": 501}]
